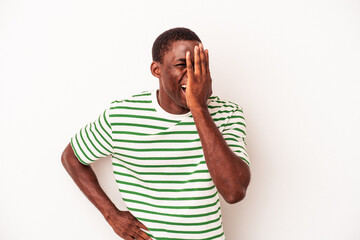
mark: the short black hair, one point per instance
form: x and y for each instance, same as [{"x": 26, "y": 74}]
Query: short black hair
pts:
[{"x": 163, "y": 42}]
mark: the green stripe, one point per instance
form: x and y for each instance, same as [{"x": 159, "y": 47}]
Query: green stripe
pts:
[
  {"x": 212, "y": 107},
  {"x": 144, "y": 117},
  {"x": 170, "y": 207},
  {"x": 231, "y": 134},
  {"x": 158, "y": 149},
  {"x": 160, "y": 133},
  {"x": 134, "y": 108},
  {"x": 159, "y": 166},
  {"x": 210, "y": 238},
  {"x": 231, "y": 139},
  {"x": 117, "y": 101},
  {"x": 221, "y": 111},
  {"x": 164, "y": 189},
  {"x": 238, "y": 117},
  {"x": 185, "y": 232},
  {"x": 193, "y": 123},
  {"x": 177, "y": 132},
  {"x": 159, "y": 158},
  {"x": 229, "y": 124},
  {"x": 142, "y": 94},
  {"x": 236, "y": 129},
  {"x": 177, "y": 215},
  {"x": 237, "y": 146},
  {"x": 219, "y": 101},
  {"x": 139, "y": 125},
  {"x": 168, "y": 198},
  {"x": 157, "y": 141},
  {"x": 131, "y": 133},
  {"x": 185, "y": 123},
  {"x": 248, "y": 163},
  {"x": 149, "y": 234},
  {"x": 220, "y": 119},
  {"x": 164, "y": 173},
  {"x": 179, "y": 223},
  {"x": 162, "y": 181},
  {"x": 138, "y": 101},
  {"x": 224, "y": 105},
  {"x": 238, "y": 151}
]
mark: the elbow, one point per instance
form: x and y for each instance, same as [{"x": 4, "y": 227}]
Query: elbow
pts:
[
  {"x": 236, "y": 196},
  {"x": 239, "y": 188},
  {"x": 64, "y": 160},
  {"x": 66, "y": 156}
]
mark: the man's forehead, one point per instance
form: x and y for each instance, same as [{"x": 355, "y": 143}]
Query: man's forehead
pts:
[{"x": 178, "y": 49}]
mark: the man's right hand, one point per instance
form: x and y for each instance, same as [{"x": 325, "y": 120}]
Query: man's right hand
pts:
[{"x": 127, "y": 226}]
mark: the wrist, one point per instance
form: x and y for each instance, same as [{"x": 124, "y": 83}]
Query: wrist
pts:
[
  {"x": 200, "y": 111},
  {"x": 109, "y": 211}
]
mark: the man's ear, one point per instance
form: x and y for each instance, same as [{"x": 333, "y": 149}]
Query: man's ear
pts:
[{"x": 155, "y": 68}]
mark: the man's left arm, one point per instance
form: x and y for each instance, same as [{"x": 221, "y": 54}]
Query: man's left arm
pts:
[{"x": 230, "y": 174}]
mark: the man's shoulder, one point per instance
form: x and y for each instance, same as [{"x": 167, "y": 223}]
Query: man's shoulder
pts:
[
  {"x": 223, "y": 110},
  {"x": 223, "y": 105},
  {"x": 142, "y": 97}
]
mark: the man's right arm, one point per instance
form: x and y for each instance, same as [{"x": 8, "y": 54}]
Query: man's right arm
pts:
[{"x": 122, "y": 222}]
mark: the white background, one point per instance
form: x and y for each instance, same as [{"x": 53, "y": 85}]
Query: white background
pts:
[{"x": 293, "y": 65}]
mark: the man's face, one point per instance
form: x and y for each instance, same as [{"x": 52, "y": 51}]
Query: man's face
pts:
[{"x": 173, "y": 77}]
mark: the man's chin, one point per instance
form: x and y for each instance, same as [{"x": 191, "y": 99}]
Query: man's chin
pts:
[{"x": 185, "y": 105}]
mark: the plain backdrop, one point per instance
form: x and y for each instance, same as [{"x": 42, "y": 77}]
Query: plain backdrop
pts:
[{"x": 294, "y": 66}]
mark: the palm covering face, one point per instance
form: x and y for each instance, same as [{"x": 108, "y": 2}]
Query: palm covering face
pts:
[{"x": 198, "y": 89}]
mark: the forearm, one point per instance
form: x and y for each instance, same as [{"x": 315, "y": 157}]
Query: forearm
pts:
[
  {"x": 230, "y": 174},
  {"x": 86, "y": 180}
]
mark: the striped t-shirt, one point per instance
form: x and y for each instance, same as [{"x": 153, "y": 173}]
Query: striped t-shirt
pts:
[{"x": 159, "y": 163}]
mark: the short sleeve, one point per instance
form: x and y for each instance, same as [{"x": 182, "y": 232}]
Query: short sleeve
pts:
[
  {"x": 94, "y": 140},
  {"x": 234, "y": 134}
]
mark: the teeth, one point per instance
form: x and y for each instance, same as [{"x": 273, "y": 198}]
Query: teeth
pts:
[{"x": 183, "y": 86}]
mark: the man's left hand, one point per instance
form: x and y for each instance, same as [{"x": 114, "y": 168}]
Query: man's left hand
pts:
[{"x": 198, "y": 88}]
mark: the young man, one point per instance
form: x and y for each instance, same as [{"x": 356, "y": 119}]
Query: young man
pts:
[{"x": 172, "y": 150}]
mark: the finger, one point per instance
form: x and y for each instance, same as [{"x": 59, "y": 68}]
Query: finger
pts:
[
  {"x": 207, "y": 61},
  {"x": 202, "y": 59},
  {"x": 141, "y": 225},
  {"x": 189, "y": 66},
  {"x": 197, "y": 60},
  {"x": 138, "y": 234},
  {"x": 143, "y": 235},
  {"x": 127, "y": 237}
]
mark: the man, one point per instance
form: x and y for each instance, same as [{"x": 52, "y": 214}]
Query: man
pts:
[{"x": 172, "y": 150}]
